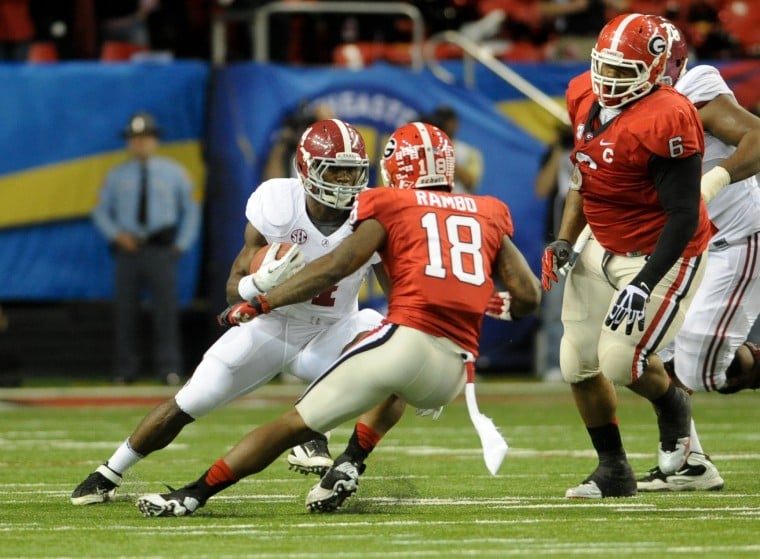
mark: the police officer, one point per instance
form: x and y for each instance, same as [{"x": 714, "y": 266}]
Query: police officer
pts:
[{"x": 147, "y": 214}]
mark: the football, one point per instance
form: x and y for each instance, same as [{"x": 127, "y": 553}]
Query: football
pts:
[{"x": 258, "y": 258}]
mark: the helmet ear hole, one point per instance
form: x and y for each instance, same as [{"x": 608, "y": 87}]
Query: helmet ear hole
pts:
[
  {"x": 324, "y": 148},
  {"x": 418, "y": 155}
]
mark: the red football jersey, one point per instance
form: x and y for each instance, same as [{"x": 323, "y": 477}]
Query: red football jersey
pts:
[
  {"x": 439, "y": 255},
  {"x": 620, "y": 201}
]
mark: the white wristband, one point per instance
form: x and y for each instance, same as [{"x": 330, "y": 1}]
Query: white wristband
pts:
[
  {"x": 247, "y": 288},
  {"x": 713, "y": 182}
]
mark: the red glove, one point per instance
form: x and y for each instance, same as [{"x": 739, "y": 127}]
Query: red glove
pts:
[
  {"x": 556, "y": 255},
  {"x": 240, "y": 313},
  {"x": 498, "y": 305}
]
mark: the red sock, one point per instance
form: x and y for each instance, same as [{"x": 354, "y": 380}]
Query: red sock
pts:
[
  {"x": 220, "y": 473},
  {"x": 367, "y": 437}
]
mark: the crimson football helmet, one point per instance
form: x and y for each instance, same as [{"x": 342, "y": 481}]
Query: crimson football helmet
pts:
[
  {"x": 678, "y": 54},
  {"x": 418, "y": 155},
  {"x": 633, "y": 44},
  {"x": 331, "y": 161}
]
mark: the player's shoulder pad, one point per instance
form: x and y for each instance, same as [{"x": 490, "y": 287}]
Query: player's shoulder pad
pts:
[
  {"x": 273, "y": 204},
  {"x": 661, "y": 110},
  {"x": 702, "y": 84},
  {"x": 578, "y": 89},
  {"x": 660, "y": 117},
  {"x": 498, "y": 211}
]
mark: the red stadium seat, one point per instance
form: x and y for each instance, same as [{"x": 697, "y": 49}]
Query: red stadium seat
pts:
[
  {"x": 743, "y": 22},
  {"x": 118, "y": 51},
  {"x": 42, "y": 52}
]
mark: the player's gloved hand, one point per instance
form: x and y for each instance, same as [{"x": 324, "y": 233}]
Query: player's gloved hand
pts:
[
  {"x": 434, "y": 413},
  {"x": 556, "y": 255},
  {"x": 240, "y": 313},
  {"x": 273, "y": 271},
  {"x": 630, "y": 303},
  {"x": 498, "y": 305}
]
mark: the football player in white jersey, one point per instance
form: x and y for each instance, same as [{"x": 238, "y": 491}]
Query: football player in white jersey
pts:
[
  {"x": 711, "y": 351},
  {"x": 311, "y": 212}
]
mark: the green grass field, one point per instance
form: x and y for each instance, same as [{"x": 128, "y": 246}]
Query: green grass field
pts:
[{"x": 426, "y": 492}]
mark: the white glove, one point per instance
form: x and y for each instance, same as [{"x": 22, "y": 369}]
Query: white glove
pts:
[
  {"x": 434, "y": 412},
  {"x": 631, "y": 303},
  {"x": 273, "y": 271}
]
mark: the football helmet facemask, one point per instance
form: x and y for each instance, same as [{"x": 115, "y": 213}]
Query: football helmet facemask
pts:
[
  {"x": 635, "y": 44},
  {"x": 331, "y": 162},
  {"x": 678, "y": 54},
  {"x": 418, "y": 155}
]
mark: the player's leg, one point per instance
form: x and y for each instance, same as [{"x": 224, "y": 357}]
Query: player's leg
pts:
[
  {"x": 585, "y": 301},
  {"x": 313, "y": 457},
  {"x": 430, "y": 376},
  {"x": 240, "y": 361},
  {"x": 631, "y": 359},
  {"x": 710, "y": 352},
  {"x": 257, "y": 450},
  {"x": 436, "y": 379}
]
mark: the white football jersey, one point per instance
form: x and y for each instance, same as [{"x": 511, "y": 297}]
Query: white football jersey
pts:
[
  {"x": 735, "y": 211},
  {"x": 277, "y": 209}
]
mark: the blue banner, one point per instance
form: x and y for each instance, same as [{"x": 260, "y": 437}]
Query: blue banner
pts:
[
  {"x": 61, "y": 133},
  {"x": 249, "y": 102}
]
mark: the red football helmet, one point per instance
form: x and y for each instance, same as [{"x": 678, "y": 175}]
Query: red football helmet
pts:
[
  {"x": 331, "y": 161},
  {"x": 418, "y": 155},
  {"x": 678, "y": 54},
  {"x": 636, "y": 45}
]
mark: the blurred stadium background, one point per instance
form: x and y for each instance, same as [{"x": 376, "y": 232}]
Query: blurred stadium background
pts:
[{"x": 222, "y": 77}]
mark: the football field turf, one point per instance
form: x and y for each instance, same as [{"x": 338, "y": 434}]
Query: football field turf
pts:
[{"x": 426, "y": 491}]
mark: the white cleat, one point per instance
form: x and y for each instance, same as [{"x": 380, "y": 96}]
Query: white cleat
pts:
[
  {"x": 670, "y": 461},
  {"x": 339, "y": 484},
  {"x": 698, "y": 474},
  {"x": 312, "y": 457},
  {"x": 169, "y": 504}
]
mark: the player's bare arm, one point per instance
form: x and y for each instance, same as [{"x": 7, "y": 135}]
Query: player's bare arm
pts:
[
  {"x": 573, "y": 219},
  {"x": 515, "y": 273},
  {"x": 329, "y": 269},
  {"x": 731, "y": 123},
  {"x": 253, "y": 241}
]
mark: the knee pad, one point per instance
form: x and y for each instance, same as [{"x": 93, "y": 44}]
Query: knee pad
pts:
[
  {"x": 616, "y": 361},
  {"x": 570, "y": 362}
]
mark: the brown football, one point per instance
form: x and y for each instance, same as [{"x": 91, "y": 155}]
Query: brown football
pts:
[{"x": 258, "y": 258}]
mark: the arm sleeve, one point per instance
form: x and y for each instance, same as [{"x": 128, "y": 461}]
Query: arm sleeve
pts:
[{"x": 677, "y": 183}]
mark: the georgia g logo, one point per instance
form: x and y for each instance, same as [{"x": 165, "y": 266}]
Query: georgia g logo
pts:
[
  {"x": 390, "y": 147},
  {"x": 657, "y": 45}
]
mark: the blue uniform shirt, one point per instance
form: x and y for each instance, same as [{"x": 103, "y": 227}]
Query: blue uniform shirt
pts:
[{"x": 170, "y": 202}]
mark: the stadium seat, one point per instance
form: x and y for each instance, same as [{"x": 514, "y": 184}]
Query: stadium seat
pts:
[
  {"x": 742, "y": 22},
  {"x": 360, "y": 54},
  {"x": 119, "y": 51},
  {"x": 42, "y": 52}
]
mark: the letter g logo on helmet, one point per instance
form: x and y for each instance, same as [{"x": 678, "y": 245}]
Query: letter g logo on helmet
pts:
[{"x": 657, "y": 45}]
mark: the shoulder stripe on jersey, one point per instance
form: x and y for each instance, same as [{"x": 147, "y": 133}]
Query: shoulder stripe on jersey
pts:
[{"x": 428, "y": 143}]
